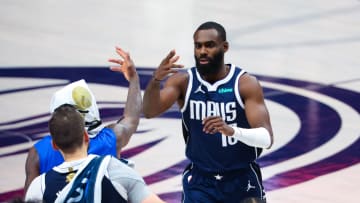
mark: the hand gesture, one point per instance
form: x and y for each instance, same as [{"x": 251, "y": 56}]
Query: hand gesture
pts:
[
  {"x": 167, "y": 66},
  {"x": 215, "y": 124},
  {"x": 127, "y": 66}
]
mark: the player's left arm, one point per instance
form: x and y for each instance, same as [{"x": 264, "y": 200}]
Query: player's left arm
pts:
[
  {"x": 260, "y": 132},
  {"x": 255, "y": 109},
  {"x": 125, "y": 127}
]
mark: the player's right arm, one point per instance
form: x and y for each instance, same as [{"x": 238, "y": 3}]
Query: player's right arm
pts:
[
  {"x": 127, "y": 126},
  {"x": 157, "y": 100},
  {"x": 32, "y": 169}
]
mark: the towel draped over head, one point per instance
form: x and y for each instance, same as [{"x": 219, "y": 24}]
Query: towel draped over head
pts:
[{"x": 78, "y": 94}]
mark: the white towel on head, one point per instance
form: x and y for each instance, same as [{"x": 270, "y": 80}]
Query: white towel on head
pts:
[{"x": 78, "y": 94}]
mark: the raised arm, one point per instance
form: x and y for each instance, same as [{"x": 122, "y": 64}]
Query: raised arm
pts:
[
  {"x": 156, "y": 99},
  {"x": 125, "y": 127}
]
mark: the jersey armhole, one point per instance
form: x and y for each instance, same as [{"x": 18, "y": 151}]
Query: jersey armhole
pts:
[
  {"x": 188, "y": 90},
  {"x": 42, "y": 183},
  {"x": 237, "y": 91}
]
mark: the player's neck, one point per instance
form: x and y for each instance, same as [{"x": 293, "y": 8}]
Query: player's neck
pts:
[
  {"x": 80, "y": 153},
  {"x": 217, "y": 76}
]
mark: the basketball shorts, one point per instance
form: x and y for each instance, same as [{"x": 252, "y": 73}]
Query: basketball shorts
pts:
[{"x": 200, "y": 186}]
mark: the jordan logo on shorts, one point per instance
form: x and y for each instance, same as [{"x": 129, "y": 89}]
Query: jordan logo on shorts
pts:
[{"x": 249, "y": 186}]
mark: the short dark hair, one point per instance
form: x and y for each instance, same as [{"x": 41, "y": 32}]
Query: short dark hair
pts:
[
  {"x": 213, "y": 25},
  {"x": 67, "y": 127}
]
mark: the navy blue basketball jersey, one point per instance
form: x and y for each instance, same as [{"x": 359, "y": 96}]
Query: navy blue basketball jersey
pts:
[
  {"x": 215, "y": 152},
  {"x": 83, "y": 187}
]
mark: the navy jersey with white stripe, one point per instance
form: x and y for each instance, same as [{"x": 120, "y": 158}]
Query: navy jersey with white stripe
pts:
[
  {"x": 55, "y": 181},
  {"x": 215, "y": 152}
]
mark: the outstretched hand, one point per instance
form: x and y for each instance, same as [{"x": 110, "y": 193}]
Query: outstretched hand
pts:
[
  {"x": 167, "y": 66},
  {"x": 127, "y": 66}
]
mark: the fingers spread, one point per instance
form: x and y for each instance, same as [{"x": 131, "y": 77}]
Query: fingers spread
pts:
[
  {"x": 118, "y": 61},
  {"x": 171, "y": 54},
  {"x": 125, "y": 55},
  {"x": 174, "y": 59},
  {"x": 178, "y": 66}
]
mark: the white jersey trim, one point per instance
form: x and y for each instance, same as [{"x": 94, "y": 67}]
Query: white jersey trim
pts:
[
  {"x": 188, "y": 91},
  {"x": 63, "y": 193},
  {"x": 237, "y": 91},
  {"x": 213, "y": 87}
]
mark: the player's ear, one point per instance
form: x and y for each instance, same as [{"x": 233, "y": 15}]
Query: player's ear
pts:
[
  {"x": 225, "y": 46},
  {"x": 54, "y": 145},
  {"x": 86, "y": 136}
]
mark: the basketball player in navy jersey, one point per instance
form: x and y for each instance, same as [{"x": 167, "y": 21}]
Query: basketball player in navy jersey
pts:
[
  {"x": 224, "y": 118},
  {"x": 83, "y": 177}
]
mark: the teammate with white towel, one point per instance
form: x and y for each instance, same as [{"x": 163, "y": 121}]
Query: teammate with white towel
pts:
[
  {"x": 83, "y": 177},
  {"x": 103, "y": 140}
]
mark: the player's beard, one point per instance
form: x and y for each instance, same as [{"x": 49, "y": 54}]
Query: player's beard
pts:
[{"x": 211, "y": 68}]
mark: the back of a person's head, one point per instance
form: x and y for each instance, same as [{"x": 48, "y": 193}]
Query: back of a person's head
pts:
[{"x": 67, "y": 128}]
